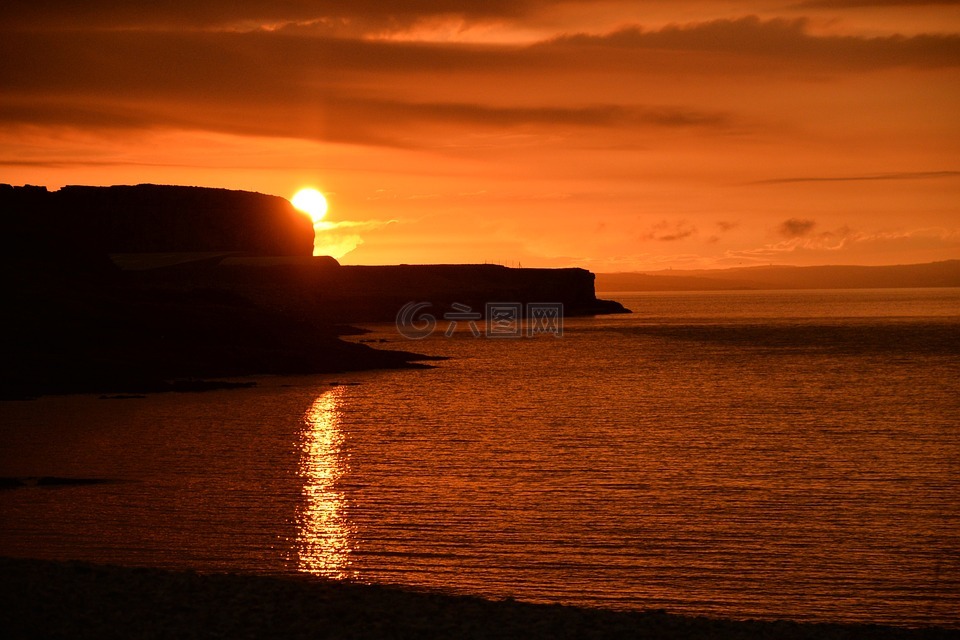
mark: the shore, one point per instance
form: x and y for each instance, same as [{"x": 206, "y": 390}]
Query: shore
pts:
[{"x": 44, "y": 599}]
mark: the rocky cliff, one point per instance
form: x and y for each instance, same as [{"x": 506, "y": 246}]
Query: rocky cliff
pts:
[
  {"x": 76, "y": 222},
  {"x": 320, "y": 288},
  {"x": 388, "y": 288},
  {"x": 207, "y": 283}
]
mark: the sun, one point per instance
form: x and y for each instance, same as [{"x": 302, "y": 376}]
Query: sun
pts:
[{"x": 312, "y": 202}]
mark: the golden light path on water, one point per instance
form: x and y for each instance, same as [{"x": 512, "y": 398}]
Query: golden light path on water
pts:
[{"x": 323, "y": 532}]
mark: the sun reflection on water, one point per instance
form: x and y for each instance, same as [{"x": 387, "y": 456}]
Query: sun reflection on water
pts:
[{"x": 323, "y": 532}]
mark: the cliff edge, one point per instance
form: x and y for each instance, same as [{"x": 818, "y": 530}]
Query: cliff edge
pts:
[{"x": 80, "y": 221}]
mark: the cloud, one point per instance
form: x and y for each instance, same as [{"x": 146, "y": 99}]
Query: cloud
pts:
[
  {"x": 336, "y": 245},
  {"x": 664, "y": 231},
  {"x": 796, "y": 228},
  {"x": 902, "y": 175},
  {"x": 279, "y": 85},
  {"x": 400, "y": 94},
  {"x": 784, "y": 40},
  {"x": 356, "y": 18},
  {"x": 851, "y": 4},
  {"x": 725, "y": 226},
  {"x": 844, "y": 244},
  {"x": 348, "y": 119},
  {"x": 591, "y": 116},
  {"x": 339, "y": 238},
  {"x": 249, "y": 13}
]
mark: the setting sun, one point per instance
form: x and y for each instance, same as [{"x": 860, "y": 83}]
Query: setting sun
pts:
[{"x": 312, "y": 202}]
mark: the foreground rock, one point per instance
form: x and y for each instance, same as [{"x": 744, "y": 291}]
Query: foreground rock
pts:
[
  {"x": 71, "y": 600},
  {"x": 72, "y": 336}
]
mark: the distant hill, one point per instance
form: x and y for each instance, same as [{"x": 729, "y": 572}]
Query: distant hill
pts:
[{"x": 934, "y": 274}]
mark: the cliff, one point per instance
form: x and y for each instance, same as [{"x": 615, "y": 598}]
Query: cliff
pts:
[
  {"x": 320, "y": 288},
  {"x": 79, "y": 223},
  {"x": 77, "y": 322},
  {"x": 134, "y": 289}
]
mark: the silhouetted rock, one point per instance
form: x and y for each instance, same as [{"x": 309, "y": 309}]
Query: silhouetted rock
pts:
[
  {"x": 80, "y": 220},
  {"x": 319, "y": 289},
  {"x": 131, "y": 339},
  {"x": 154, "y": 288}
]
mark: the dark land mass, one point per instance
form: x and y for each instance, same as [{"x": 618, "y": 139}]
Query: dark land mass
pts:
[
  {"x": 72, "y": 600},
  {"x": 318, "y": 287},
  {"x": 78, "y": 222},
  {"x": 935, "y": 274},
  {"x": 113, "y": 335},
  {"x": 135, "y": 289}
]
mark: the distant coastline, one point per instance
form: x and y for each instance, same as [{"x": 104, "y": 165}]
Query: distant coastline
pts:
[{"x": 932, "y": 274}]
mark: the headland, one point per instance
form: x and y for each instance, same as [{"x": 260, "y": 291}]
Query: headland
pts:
[{"x": 133, "y": 289}]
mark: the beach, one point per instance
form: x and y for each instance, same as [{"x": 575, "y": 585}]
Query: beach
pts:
[{"x": 45, "y": 599}]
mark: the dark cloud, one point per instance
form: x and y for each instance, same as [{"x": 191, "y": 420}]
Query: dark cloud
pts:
[
  {"x": 669, "y": 232},
  {"x": 218, "y": 13},
  {"x": 285, "y": 66},
  {"x": 340, "y": 119},
  {"x": 476, "y": 114},
  {"x": 851, "y": 4},
  {"x": 275, "y": 84},
  {"x": 290, "y": 84},
  {"x": 796, "y": 227},
  {"x": 902, "y": 175},
  {"x": 785, "y": 40},
  {"x": 679, "y": 235},
  {"x": 725, "y": 226}
]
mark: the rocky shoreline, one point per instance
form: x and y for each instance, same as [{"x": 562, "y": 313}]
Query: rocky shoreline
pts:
[{"x": 43, "y": 599}]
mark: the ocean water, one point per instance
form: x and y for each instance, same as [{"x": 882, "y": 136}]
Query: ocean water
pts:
[{"x": 733, "y": 454}]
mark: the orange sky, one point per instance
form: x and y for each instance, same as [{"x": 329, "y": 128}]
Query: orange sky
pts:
[{"x": 604, "y": 134}]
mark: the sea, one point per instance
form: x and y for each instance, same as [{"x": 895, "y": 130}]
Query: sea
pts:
[{"x": 749, "y": 454}]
